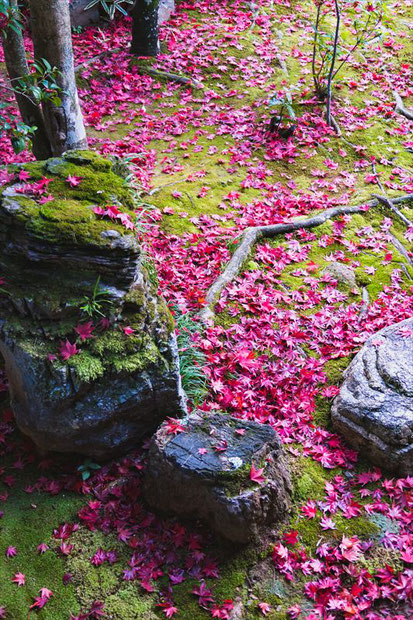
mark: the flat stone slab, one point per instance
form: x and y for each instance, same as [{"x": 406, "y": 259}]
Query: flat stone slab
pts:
[
  {"x": 374, "y": 409},
  {"x": 204, "y": 472}
]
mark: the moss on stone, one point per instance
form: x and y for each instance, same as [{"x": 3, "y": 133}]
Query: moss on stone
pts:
[{"x": 69, "y": 217}]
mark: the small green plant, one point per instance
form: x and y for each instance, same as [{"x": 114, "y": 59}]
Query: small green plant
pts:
[
  {"x": 282, "y": 109},
  {"x": 95, "y": 304},
  {"x": 335, "y": 43},
  {"x": 18, "y": 132},
  {"x": 110, "y": 6},
  {"x": 87, "y": 468},
  {"x": 191, "y": 358}
]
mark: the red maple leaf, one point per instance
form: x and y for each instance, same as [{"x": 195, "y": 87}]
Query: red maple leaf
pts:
[
  {"x": 84, "y": 330},
  {"x": 256, "y": 475},
  {"x": 67, "y": 350}
]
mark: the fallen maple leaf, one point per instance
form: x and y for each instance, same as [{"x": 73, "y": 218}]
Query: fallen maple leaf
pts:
[
  {"x": 19, "y": 578},
  {"x": 85, "y": 330},
  {"x": 67, "y": 350},
  {"x": 256, "y": 475},
  {"x": 73, "y": 180},
  {"x": 11, "y": 552},
  {"x": 264, "y": 608}
]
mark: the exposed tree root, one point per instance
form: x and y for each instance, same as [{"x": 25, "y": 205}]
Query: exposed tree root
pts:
[
  {"x": 335, "y": 126},
  {"x": 400, "y": 247},
  {"x": 390, "y": 204},
  {"x": 366, "y": 301},
  {"x": 90, "y": 61},
  {"x": 400, "y": 109},
  {"x": 173, "y": 77},
  {"x": 253, "y": 234}
]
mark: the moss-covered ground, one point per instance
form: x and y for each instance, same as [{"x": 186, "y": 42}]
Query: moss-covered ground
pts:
[{"x": 194, "y": 173}]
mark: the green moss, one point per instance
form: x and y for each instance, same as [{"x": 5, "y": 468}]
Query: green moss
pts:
[
  {"x": 309, "y": 479},
  {"x": 335, "y": 368},
  {"x": 87, "y": 367},
  {"x": 69, "y": 217},
  {"x": 29, "y": 519},
  {"x": 321, "y": 415},
  {"x": 123, "y": 600}
]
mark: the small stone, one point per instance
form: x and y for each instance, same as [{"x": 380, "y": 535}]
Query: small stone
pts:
[
  {"x": 187, "y": 476},
  {"x": 342, "y": 273},
  {"x": 165, "y": 10},
  {"x": 374, "y": 409},
  {"x": 110, "y": 234}
]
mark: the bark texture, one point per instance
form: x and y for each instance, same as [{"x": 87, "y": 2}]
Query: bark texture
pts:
[
  {"x": 145, "y": 41},
  {"x": 31, "y": 113},
  {"x": 50, "y": 21}
]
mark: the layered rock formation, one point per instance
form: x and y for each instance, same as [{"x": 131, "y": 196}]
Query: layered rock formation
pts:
[
  {"x": 89, "y": 345},
  {"x": 374, "y": 410},
  {"x": 204, "y": 471}
]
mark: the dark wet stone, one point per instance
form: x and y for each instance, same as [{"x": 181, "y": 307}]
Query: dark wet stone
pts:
[
  {"x": 204, "y": 472},
  {"x": 374, "y": 410}
]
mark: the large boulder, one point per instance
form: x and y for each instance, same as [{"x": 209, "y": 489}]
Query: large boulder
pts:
[
  {"x": 202, "y": 469},
  {"x": 374, "y": 409},
  {"x": 89, "y": 345}
]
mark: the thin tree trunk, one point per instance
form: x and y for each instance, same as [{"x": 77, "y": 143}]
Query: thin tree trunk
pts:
[
  {"x": 145, "y": 41},
  {"x": 52, "y": 40},
  {"x": 333, "y": 61},
  {"x": 31, "y": 113}
]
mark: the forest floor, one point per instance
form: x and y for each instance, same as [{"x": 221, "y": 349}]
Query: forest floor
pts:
[{"x": 284, "y": 332}]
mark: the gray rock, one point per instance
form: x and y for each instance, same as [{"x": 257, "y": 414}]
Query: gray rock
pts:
[
  {"x": 166, "y": 8},
  {"x": 80, "y": 17},
  {"x": 189, "y": 475},
  {"x": 374, "y": 410},
  {"x": 116, "y": 387},
  {"x": 342, "y": 273}
]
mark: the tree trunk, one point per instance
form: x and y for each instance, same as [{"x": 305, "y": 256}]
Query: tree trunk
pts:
[
  {"x": 145, "y": 41},
  {"x": 52, "y": 40},
  {"x": 31, "y": 113}
]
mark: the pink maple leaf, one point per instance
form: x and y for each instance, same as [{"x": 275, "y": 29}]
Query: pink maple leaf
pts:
[
  {"x": 73, "y": 180},
  {"x": 42, "y": 548},
  {"x": 11, "y": 552},
  {"x": 84, "y": 330},
  {"x": 256, "y": 475},
  {"x": 350, "y": 548},
  {"x": 128, "y": 330},
  {"x": 168, "y": 609},
  {"x": 19, "y": 578},
  {"x": 407, "y": 555},
  {"x": 67, "y": 350},
  {"x": 264, "y": 608}
]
